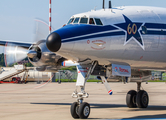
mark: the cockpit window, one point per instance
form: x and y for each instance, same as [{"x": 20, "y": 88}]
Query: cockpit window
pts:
[
  {"x": 91, "y": 21},
  {"x": 76, "y": 20},
  {"x": 70, "y": 21},
  {"x": 84, "y": 20},
  {"x": 98, "y": 21}
]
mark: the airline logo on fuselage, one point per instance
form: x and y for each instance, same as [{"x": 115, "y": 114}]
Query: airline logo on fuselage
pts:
[{"x": 97, "y": 44}]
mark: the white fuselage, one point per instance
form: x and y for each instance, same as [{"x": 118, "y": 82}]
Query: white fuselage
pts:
[{"x": 132, "y": 35}]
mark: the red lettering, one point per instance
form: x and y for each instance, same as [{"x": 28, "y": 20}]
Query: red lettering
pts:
[{"x": 123, "y": 70}]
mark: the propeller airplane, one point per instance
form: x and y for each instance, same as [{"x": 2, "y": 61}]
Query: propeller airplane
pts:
[{"x": 121, "y": 41}]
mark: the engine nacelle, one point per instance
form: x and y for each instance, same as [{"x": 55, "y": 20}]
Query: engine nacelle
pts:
[{"x": 39, "y": 55}]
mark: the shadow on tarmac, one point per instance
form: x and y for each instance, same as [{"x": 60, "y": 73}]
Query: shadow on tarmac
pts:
[
  {"x": 161, "y": 116},
  {"x": 92, "y": 105},
  {"x": 150, "y": 107},
  {"x": 98, "y": 106}
]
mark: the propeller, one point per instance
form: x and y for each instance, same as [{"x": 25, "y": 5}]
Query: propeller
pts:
[
  {"x": 41, "y": 30},
  {"x": 14, "y": 53}
]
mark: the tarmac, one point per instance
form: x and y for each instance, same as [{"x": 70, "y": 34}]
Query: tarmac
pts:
[{"x": 53, "y": 101}]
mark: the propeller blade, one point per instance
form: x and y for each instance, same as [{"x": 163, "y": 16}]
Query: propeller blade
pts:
[
  {"x": 41, "y": 30},
  {"x": 14, "y": 53}
]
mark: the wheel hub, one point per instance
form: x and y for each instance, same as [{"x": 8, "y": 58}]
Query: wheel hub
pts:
[
  {"x": 144, "y": 99},
  {"x": 86, "y": 111}
]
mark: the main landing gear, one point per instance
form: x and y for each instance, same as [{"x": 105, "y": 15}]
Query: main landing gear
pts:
[{"x": 138, "y": 99}]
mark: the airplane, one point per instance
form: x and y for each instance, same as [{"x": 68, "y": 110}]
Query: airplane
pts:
[{"x": 121, "y": 41}]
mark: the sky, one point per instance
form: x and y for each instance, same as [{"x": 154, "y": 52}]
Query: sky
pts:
[{"x": 17, "y": 16}]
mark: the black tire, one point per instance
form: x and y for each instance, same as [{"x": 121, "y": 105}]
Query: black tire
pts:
[
  {"x": 84, "y": 110},
  {"x": 142, "y": 99},
  {"x": 131, "y": 99},
  {"x": 74, "y": 110}
]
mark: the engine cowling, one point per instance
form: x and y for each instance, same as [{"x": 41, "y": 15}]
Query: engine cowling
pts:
[{"x": 39, "y": 55}]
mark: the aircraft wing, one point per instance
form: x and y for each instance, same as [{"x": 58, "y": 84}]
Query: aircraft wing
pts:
[{"x": 18, "y": 43}]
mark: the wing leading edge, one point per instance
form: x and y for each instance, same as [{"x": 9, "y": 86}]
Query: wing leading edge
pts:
[{"x": 18, "y": 43}]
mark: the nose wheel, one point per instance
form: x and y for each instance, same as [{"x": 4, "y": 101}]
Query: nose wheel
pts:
[
  {"x": 80, "y": 110},
  {"x": 74, "y": 110},
  {"x": 84, "y": 110}
]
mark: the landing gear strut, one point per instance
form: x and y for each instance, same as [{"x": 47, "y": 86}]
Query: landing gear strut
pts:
[
  {"x": 81, "y": 109},
  {"x": 138, "y": 99}
]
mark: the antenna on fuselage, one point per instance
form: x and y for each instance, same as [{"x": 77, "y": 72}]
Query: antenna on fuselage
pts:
[
  {"x": 103, "y": 4},
  {"x": 110, "y": 5}
]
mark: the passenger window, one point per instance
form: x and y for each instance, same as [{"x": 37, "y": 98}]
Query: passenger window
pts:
[
  {"x": 84, "y": 20},
  {"x": 76, "y": 20},
  {"x": 91, "y": 21},
  {"x": 70, "y": 21},
  {"x": 98, "y": 21}
]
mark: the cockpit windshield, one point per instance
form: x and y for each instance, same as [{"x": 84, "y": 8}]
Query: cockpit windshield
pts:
[
  {"x": 85, "y": 20},
  {"x": 70, "y": 21},
  {"x": 76, "y": 20}
]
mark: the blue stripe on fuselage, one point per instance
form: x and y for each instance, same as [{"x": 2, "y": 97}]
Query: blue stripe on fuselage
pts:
[
  {"x": 155, "y": 25},
  {"x": 75, "y": 30},
  {"x": 156, "y": 29},
  {"x": 95, "y": 36}
]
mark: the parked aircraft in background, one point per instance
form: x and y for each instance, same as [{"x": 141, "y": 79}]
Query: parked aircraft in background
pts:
[{"x": 123, "y": 41}]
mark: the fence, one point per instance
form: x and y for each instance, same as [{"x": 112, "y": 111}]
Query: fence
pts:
[{"x": 69, "y": 75}]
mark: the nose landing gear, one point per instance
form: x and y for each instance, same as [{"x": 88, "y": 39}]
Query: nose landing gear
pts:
[{"x": 81, "y": 109}]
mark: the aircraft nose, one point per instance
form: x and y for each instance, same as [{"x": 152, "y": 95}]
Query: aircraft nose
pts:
[{"x": 53, "y": 42}]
